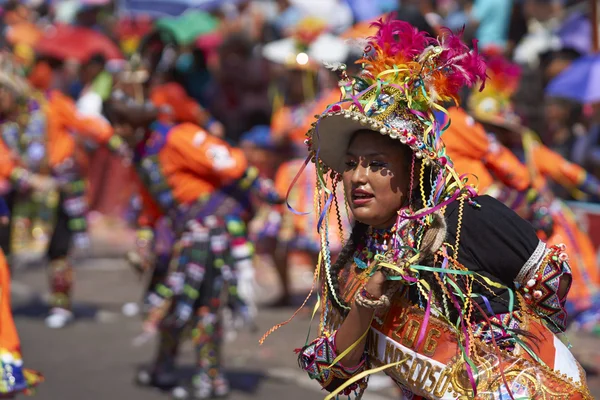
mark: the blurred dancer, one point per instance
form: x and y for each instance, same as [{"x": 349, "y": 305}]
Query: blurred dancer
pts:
[
  {"x": 37, "y": 134},
  {"x": 200, "y": 190},
  {"x": 14, "y": 378},
  {"x": 493, "y": 108},
  {"x": 300, "y": 56}
]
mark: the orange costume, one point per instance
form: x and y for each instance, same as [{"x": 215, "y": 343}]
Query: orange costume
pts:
[
  {"x": 292, "y": 122},
  {"x": 546, "y": 165},
  {"x": 13, "y": 377},
  {"x": 44, "y": 141},
  {"x": 191, "y": 163},
  {"x": 493, "y": 106},
  {"x": 178, "y": 106},
  {"x": 196, "y": 193},
  {"x": 300, "y": 231},
  {"x": 475, "y": 153}
]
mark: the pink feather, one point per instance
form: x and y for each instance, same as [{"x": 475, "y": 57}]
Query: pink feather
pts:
[{"x": 397, "y": 37}]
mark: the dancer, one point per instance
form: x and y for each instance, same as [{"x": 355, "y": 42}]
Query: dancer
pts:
[
  {"x": 451, "y": 294},
  {"x": 14, "y": 378},
  {"x": 38, "y": 134},
  {"x": 297, "y": 238},
  {"x": 493, "y": 108},
  {"x": 203, "y": 190}
]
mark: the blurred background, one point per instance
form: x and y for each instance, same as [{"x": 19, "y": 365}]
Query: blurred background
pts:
[{"x": 225, "y": 64}]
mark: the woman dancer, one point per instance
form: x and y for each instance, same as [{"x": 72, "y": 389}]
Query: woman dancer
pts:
[
  {"x": 452, "y": 295},
  {"x": 300, "y": 55}
]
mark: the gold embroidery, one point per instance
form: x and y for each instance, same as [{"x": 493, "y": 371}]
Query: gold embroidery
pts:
[
  {"x": 410, "y": 333},
  {"x": 431, "y": 342}
]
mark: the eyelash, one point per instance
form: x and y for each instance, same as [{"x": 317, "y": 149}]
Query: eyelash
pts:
[{"x": 377, "y": 164}]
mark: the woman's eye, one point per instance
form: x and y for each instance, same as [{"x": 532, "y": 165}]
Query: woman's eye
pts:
[
  {"x": 377, "y": 164},
  {"x": 350, "y": 164}
]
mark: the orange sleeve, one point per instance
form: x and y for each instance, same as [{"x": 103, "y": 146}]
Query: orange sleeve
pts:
[
  {"x": 93, "y": 128},
  {"x": 191, "y": 148},
  {"x": 7, "y": 165},
  {"x": 183, "y": 108},
  {"x": 552, "y": 165},
  {"x": 507, "y": 167},
  {"x": 465, "y": 136}
]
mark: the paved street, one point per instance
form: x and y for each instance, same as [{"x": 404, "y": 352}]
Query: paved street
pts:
[{"x": 95, "y": 359}]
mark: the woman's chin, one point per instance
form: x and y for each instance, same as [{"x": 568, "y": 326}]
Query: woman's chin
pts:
[{"x": 367, "y": 218}]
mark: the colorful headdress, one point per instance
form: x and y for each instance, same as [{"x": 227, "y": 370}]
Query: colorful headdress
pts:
[
  {"x": 406, "y": 76},
  {"x": 493, "y": 104},
  {"x": 308, "y": 46}
]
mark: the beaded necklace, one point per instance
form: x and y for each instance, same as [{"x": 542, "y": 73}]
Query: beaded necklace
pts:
[{"x": 394, "y": 243}]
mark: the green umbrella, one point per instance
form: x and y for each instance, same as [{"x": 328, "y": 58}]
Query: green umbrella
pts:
[{"x": 186, "y": 28}]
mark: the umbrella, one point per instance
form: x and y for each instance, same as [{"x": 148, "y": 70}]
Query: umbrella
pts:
[
  {"x": 69, "y": 42},
  {"x": 161, "y": 8},
  {"x": 579, "y": 82},
  {"x": 189, "y": 26},
  {"x": 576, "y": 32}
]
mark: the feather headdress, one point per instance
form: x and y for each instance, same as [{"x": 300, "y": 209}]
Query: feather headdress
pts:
[
  {"x": 493, "y": 104},
  {"x": 406, "y": 75}
]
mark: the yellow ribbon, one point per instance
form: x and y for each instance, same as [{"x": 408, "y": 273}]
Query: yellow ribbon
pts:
[
  {"x": 360, "y": 376},
  {"x": 349, "y": 349}
]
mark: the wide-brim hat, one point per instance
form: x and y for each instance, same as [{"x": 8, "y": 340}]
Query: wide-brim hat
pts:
[
  {"x": 332, "y": 133},
  {"x": 406, "y": 76}
]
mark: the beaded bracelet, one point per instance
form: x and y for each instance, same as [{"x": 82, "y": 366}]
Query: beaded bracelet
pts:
[{"x": 364, "y": 299}]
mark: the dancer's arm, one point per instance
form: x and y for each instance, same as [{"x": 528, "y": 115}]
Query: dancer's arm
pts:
[
  {"x": 20, "y": 178},
  {"x": 318, "y": 358},
  {"x": 506, "y": 167},
  {"x": 565, "y": 173},
  {"x": 71, "y": 120}
]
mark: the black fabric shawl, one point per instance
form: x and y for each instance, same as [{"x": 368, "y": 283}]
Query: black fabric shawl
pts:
[{"x": 494, "y": 242}]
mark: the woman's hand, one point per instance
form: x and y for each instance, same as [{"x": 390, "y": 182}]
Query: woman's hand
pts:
[{"x": 377, "y": 284}]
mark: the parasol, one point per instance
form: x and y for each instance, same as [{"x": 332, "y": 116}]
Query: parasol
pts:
[
  {"x": 579, "y": 82},
  {"x": 69, "y": 42},
  {"x": 188, "y": 27},
  {"x": 576, "y": 32}
]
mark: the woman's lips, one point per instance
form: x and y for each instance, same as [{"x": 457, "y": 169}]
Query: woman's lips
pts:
[{"x": 361, "y": 197}]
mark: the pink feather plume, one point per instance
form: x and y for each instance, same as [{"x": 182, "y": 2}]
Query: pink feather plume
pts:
[{"x": 399, "y": 38}]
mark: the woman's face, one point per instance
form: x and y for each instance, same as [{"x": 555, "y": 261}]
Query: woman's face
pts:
[{"x": 376, "y": 179}]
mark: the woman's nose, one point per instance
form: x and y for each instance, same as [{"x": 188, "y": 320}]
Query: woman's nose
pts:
[{"x": 360, "y": 174}]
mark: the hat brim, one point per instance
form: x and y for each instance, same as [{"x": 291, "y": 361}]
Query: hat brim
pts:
[{"x": 333, "y": 132}]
